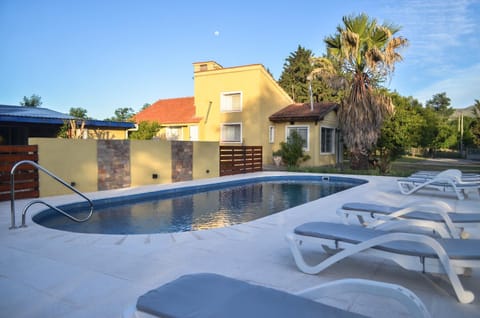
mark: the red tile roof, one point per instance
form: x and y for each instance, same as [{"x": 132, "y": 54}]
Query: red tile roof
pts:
[
  {"x": 170, "y": 111},
  {"x": 303, "y": 112}
]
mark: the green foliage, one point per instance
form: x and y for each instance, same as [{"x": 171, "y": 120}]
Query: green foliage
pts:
[
  {"x": 438, "y": 132},
  {"x": 63, "y": 131},
  {"x": 146, "y": 131},
  {"x": 123, "y": 114},
  {"x": 399, "y": 132},
  {"x": 441, "y": 104},
  {"x": 475, "y": 125},
  {"x": 78, "y": 112},
  {"x": 292, "y": 151},
  {"x": 294, "y": 79},
  {"x": 32, "y": 101}
]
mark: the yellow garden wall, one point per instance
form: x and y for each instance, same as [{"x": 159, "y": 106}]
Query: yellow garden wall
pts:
[
  {"x": 76, "y": 161},
  {"x": 205, "y": 160},
  {"x": 148, "y": 157},
  {"x": 71, "y": 160}
]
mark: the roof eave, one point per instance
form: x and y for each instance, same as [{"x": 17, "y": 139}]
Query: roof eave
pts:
[{"x": 296, "y": 118}]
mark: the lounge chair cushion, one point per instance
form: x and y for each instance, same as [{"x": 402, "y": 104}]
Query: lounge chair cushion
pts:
[
  {"x": 418, "y": 215},
  {"x": 456, "y": 249},
  {"x": 216, "y": 296}
]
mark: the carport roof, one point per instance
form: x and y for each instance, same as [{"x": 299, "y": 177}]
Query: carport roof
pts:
[{"x": 37, "y": 115}]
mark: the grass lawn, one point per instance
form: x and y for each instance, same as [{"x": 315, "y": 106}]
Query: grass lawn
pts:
[{"x": 404, "y": 166}]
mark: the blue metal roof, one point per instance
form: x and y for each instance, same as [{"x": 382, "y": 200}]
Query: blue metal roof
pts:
[{"x": 37, "y": 115}]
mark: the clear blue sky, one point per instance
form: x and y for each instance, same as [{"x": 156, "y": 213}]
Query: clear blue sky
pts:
[{"x": 104, "y": 54}]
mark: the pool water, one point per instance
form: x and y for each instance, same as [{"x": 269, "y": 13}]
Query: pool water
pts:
[{"x": 190, "y": 210}]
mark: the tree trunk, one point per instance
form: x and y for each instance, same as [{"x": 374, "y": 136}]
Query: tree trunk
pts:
[{"x": 358, "y": 160}]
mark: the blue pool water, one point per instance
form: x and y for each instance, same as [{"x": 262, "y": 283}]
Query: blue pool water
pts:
[{"x": 196, "y": 207}]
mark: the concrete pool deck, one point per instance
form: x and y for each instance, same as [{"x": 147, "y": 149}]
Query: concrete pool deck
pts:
[{"x": 51, "y": 273}]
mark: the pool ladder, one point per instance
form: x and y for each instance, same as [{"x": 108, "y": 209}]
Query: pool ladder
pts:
[{"x": 12, "y": 196}]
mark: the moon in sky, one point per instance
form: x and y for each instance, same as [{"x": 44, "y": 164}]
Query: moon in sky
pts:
[{"x": 216, "y": 33}]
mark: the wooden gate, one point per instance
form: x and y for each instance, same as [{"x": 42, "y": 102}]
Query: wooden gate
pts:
[
  {"x": 240, "y": 159},
  {"x": 26, "y": 176}
]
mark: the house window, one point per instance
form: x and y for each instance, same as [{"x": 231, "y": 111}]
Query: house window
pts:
[
  {"x": 327, "y": 140},
  {"x": 174, "y": 133},
  {"x": 271, "y": 134},
  {"x": 193, "y": 133},
  {"x": 303, "y": 131},
  {"x": 231, "y": 132},
  {"x": 231, "y": 102}
]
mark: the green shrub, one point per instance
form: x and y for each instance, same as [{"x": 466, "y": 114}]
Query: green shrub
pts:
[{"x": 292, "y": 150}]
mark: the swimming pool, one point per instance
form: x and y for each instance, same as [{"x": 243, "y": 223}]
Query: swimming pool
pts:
[{"x": 197, "y": 207}]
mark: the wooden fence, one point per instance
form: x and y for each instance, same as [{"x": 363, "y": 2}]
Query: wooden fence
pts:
[
  {"x": 240, "y": 159},
  {"x": 26, "y": 176}
]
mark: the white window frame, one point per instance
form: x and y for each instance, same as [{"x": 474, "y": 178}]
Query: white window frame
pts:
[
  {"x": 332, "y": 150},
  {"x": 287, "y": 133},
  {"x": 224, "y": 102},
  {"x": 271, "y": 134},
  {"x": 193, "y": 132},
  {"x": 174, "y": 133},
  {"x": 222, "y": 137}
]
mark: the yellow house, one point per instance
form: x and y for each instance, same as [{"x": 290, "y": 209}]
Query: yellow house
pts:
[
  {"x": 233, "y": 106},
  {"x": 176, "y": 117}
]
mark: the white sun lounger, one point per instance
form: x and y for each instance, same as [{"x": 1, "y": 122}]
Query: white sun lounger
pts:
[
  {"x": 433, "y": 215},
  {"x": 448, "y": 180},
  {"x": 215, "y": 296},
  {"x": 426, "y": 174},
  {"x": 415, "y": 252}
]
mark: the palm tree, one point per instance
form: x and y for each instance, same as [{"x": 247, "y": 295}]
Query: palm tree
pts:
[{"x": 361, "y": 55}]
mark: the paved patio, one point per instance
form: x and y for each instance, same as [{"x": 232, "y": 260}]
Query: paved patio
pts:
[{"x": 50, "y": 273}]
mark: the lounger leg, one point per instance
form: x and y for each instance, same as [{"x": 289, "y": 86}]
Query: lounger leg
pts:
[{"x": 463, "y": 295}]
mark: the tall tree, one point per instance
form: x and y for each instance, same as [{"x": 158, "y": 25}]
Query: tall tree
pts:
[
  {"x": 475, "y": 127},
  {"x": 441, "y": 104},
  {"x": 401, "y": 131},
  {"x": 361, "y": 55},
  {"x": 294, "y": 75},
  {"x": 123, "y": 114},
  {"x": 438, "y": 131},
  {"x": 145, "y": 106},
  {"x": 295, "y": 79},
  {"x": 32, "y": 101},
  {"x": 78, "y": 112}
]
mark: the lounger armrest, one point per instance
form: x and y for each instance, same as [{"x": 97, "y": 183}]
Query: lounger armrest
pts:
[
  {"x": 452, "y": 230},
  {"x": 414, "y": 226},
  {"x": 401, "y": 294}
]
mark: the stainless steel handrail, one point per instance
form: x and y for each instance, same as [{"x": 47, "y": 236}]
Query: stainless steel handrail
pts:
[{"x": 12, "y": 196}]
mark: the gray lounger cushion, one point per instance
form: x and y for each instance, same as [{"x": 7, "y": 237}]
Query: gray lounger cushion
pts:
[
  {"x": 455, "y": 248},
  {"x": 216, "y": 296},
  {"x": 418, "y": 215}
]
